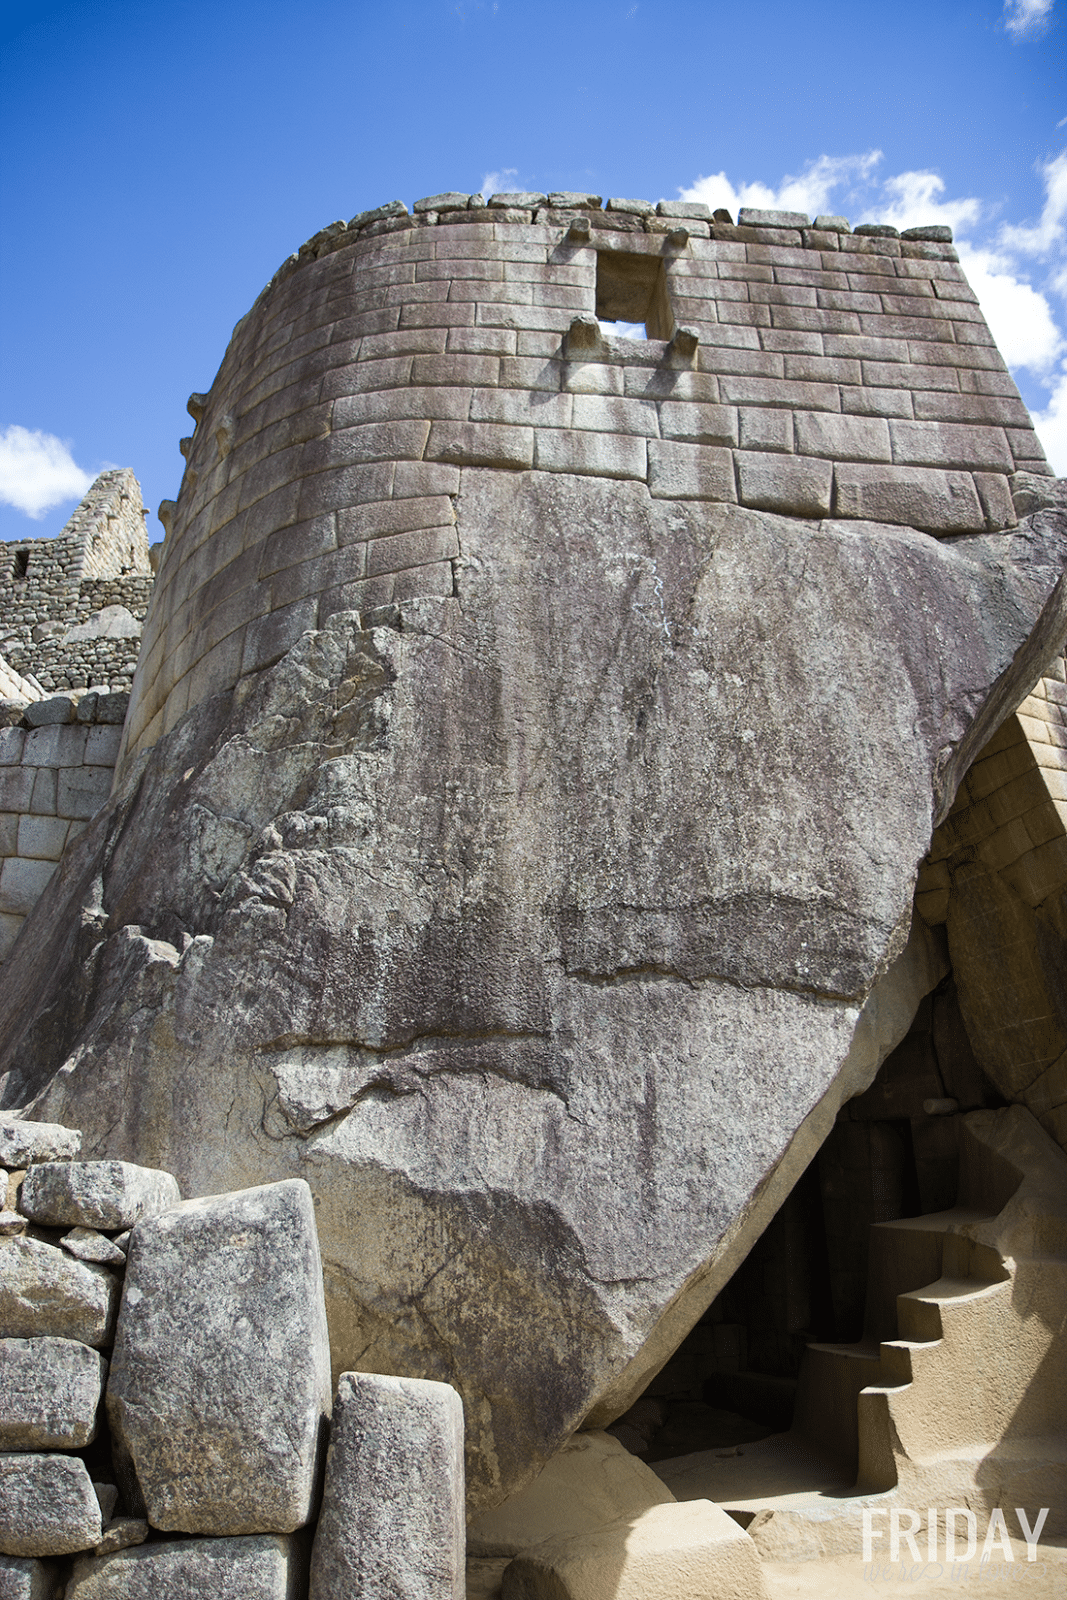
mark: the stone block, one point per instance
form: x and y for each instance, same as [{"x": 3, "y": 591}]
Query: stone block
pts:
[
  {"x": 86, "y": 1244},
  {"x": 22, "y": 884},
  {"x": 415, "y": 549},
  {"x": 47, "y": 1506},
  {"x": 762, "y": 428},
  {"x": 11, "y": 743},
  {"x": 9, "y": 833},
  {"x": 424, "y": 478},
  {"x": 22, "y": 1143},
  {"x": 16, "y": 788},
  {"x": 270, "y": 637},
  {"x": 42, "y": 838},
  {"x": 50, "y": 1393},
  {"x": 611, "y": 414},
  {"x": 10, "y": 928},
  {"x": 757, "y": 217},
  {"x": 81, "y": 791},
  {"x": 22, "y": 1578},
  {"x": 995, "y": 495},
  {"x": 480, "y": 444},
  {"x": 46, "y": 1293},
  {"x": 740, "y": 390},
  {"x": 794, "y": 486},
  {"x": 220, "y": 1378},
  {"x": 392, "y": 1518},
  {"x": 259, "y": 1568},
  {"x": 57, "y": 708},
  {"x": 864, "y": 401},
  {"x": 846, "y": 438},
  {"x": 594, "y": 1480},
  {"x": 950, "y": 444},
  {"x": 698, "y": 424},
  {"x": 915, "y": 497},
  {"x": 57, "y": 745},
  {"x": 916, "y": 376},
  {"x": 112, "y": 708},
  {"x": 96, "y": 1194},
  {"x": 670, "y": 1552},
  {"x": 521, "y": 408},
  {"x": 602, "y": 455},
  {"x": 690, "y": 472}
]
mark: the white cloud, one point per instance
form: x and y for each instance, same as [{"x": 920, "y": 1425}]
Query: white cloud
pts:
[
  {"x": 1019, "y": 316},
  {"x": 1051, "y": 425},
  {"x": 37, "y": 471},
  {"x": 913, "y": 199},
  {"x": 1051, "y": 228},
  {"x": 1024, "y": 19},
  {"x": 809, "y": 192},
  {"x": 502, "y": 182}
]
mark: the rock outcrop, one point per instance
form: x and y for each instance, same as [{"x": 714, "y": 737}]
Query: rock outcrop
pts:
[
  {"x": 534, "y": 928},
  {"x": 534, "y": 744}
]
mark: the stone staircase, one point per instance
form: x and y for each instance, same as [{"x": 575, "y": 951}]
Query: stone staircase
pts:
[{"x": 957, "y": 1393}]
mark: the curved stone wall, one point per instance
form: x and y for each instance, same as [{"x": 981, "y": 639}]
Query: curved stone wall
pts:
[{"x": 807, "y": 370}]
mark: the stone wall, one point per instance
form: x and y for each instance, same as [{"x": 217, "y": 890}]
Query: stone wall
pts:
[
  {"x": 807, "y": 370},
  {"x": 53, "y": 591},
  {"x": 996, "y": 874},
  {"x": 55, "y": 774}
]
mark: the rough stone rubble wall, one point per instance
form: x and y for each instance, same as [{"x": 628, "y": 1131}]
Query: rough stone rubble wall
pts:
[
  {"x": 49, "y": 586},
  {"x": 836, "y": 374},
  {"x": 53, "y": 780}
]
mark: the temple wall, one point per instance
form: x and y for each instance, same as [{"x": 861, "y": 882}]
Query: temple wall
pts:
[{"x": 811, "y": 371}]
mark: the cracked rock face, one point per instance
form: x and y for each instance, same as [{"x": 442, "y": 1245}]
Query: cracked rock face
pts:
[{"x": 537, "y": 930}]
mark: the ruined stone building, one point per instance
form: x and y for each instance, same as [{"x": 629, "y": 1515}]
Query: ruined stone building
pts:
[{"x": 593, "y": 803}]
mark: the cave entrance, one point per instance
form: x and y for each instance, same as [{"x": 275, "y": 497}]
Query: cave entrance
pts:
[{"x": 891, "y": 1153}]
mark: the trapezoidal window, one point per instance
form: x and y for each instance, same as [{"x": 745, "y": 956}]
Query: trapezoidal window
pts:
[
  {"x": 20, "y": 566},
  {"x": 632, "y": 290}
]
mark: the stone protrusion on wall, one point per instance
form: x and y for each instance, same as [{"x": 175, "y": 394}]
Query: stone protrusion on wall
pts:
[
  {"x": 807, "y": 370},
  {"x": 56, "y": 769},
  {"x": 217, "y": 1393},
  {"x": 53, "y": 592}
]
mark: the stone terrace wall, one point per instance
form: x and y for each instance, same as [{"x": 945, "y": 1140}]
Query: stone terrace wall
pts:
[
  {"x": 805, "y": 370},
  {"x": 53, "y": 779},
  {"x": 50, "y": 586}
]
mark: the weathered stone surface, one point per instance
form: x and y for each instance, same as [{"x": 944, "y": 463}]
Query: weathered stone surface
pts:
[
  {"x": 121, "y": 1534},
  {"x": 541, "y": 930},
  {"x": 392, "y": 1508},
  {"x": 45, "y": 1292},
  {"x": 50, "y": 1392},
  {"x": 593, "y": 1481},
  {"x": 96, "y": 1194},
  {"x": 88, "y": 1245},
  {"x": 263, "y": 1568},
  {"x": 220, "y": 1382},
  {"x": 671, "y": 1552},
  {"x": 47, "y": 1506},
  {"x": 22, "y": 1143},
  {"x": 24, "y": 1579}
]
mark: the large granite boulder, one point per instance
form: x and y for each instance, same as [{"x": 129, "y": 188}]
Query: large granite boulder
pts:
[{"x": 542, "y": 928}]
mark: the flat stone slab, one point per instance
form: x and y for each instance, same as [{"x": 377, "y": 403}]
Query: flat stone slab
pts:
[
  {"x": 46, "y": 1293},
  {"x": 22, "y": 1578},
  {"x": 22, "y": 1143},
  {"x": 593, "y": 1480},
  {"x": 263, "y": 1568},
  {"x": 392, "y": 1517},
  {"x": 48, "y": 1506},
  {"x": 96, "y": 1194},
  {"x": 50, "y": 1393},
  {"x": 121, "y": 1534},
  {"x": 88, "y": 1245},
  {"x": 220, "y": 1379},
  {"x": 670, "y": 1552}
]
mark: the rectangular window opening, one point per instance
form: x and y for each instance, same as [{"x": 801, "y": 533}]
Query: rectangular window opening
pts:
[
  {"x": 631, "y": 296},
  {"x": 20, "y": 566}
]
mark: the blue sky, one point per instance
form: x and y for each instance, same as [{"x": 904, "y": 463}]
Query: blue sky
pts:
[{"x": 160, "y": 158}]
